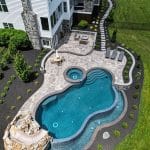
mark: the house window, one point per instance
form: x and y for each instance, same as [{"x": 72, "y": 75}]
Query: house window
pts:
[
  {"x": 65, "y": 6},
  {"x": 8, "y": 25},
  {"x": 60, "y": 10},
  {"x": 53, "y": 19},
  {"x": 46, "y": 43},
  {"x": 3, "y": 6},
  {"x": 44, "y": 23},
  {"x": 71, "y": 4}
]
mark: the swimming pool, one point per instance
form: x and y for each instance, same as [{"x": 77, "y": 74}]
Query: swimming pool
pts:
[{"x": 66, "y": 113}]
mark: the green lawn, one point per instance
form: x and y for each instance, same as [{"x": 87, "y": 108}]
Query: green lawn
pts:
[
  {"x": 134, "y": 11},
  {"x": 139, "y": 139},
  {"x": 137, "y": 11}
]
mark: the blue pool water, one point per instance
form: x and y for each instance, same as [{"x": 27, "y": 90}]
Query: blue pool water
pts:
[
  {"x": 74, "y": 73},
  {"x": 63, "y": 114},
  {"x": 80, "y": 142}
]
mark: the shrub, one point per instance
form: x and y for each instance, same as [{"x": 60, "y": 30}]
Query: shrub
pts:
[
  {"x": 19, "y": 97},
  {"x": 36, "y": 82},
  {"x": 1, "y": 75},
  {"x": 128, "y": 66},
  {"x": 126, "y": 72},
  {"x": 124, "y": 125},
  {"x": 114, "y": 36},
  {"x": 9, "y": 82},
  {"x": 22, "y": 69},
  {"x": 12, "y": 48},
  {"x": 37, "y": 60},
  {"x": 18, "y": 37},
  {"x": 29, "y": 90},
  {"x": 1, "y": 101},
  {"x": 12, "y": 107},
  {"x": 116, "y": 133},
  {"x": 126, "y": 78},
  {"x": 12, "y": 77},
  {"x": 3, "y": 65},
  {"x": 137, "y": 86},
  {"x": 6, "y": 88},
  {"x": 36, "y": 65},
  {"x": 135, "y": 95},
  {"x": 138, "y": 57},
  {"x": 129, "y": 62},
  {"x": 138, "y": 66},
  {"x": 36, "y": 74},
  {"x": 99, "y": 147},
  {"x": 138, "y": 75},
  {"x": 135, "y": 107},
  {"x": 83, "y": 24},
  {"x": 3, "y": 94},
  {"x": 7, "y": 56},
  {"x": 7, "y": 117},
  {"x": 40, "y": 56},
  {"x": 131, "y": 115},
  {"x": 97, "y": 46}
]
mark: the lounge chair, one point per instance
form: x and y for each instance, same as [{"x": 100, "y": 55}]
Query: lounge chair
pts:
[
  {"x": 76, "y": 36},
  {"x": 107, "y": 54},
  {"x": 121, "y": 55},
  {"x": 114, "y": 54}
]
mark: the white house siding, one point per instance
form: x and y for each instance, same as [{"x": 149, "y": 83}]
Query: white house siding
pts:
[
  {"x": 65, "y": 16},
  {"x": 13, "y": 15},
  {"x": 41, "y": 8}
]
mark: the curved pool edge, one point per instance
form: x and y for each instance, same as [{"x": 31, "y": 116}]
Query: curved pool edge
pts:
[
  {"x": 63, "y": 140},
  {"x": 88, "y": 145},
  {"x": 88, "y": 118}
]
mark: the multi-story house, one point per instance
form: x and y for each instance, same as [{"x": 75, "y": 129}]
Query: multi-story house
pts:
[{"x": 45, "y": 21}]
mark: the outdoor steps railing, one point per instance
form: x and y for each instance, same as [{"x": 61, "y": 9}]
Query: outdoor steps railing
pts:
[{"x": 102, "y": 26}]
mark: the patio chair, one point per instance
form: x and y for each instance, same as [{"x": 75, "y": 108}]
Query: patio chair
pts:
[
  {"x": 114, "y": 55},
  {"x": 107, "y": 54},
  {"x": 76, "y": 36},
  {"x": 121, "y": 55}
]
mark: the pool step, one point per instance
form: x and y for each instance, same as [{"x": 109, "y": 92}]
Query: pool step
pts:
[
  {"x": 94, "y": 75},
  {"x": 93, "y": 80}
]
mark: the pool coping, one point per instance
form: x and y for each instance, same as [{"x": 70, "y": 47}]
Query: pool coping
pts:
[
  {"x": 71, "y": 80},
  {"x": 81, "y": 129},
  {"x": 88, "y": 145}
]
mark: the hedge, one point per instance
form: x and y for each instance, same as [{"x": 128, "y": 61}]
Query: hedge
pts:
[{"x": 17, "y": 37}]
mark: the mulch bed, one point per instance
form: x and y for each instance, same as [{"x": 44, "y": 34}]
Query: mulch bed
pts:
[
  {"x": 17, "y": 88},
  {"x": 110, "y": 143}
]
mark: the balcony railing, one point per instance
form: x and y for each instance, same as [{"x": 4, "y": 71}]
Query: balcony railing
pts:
[{"x": 86, "y": 6}]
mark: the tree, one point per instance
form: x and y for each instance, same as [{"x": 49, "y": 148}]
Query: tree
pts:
[
  {"x": 7, "y": 56},
  {"x": 114, "y": 36},
  {"x": 22, "y": 69},
  {"x": 12, "y": 47},
  {"x": 3, "y": 65}
]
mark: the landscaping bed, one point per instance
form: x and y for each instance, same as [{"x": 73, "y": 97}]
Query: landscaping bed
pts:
[{"x": 18, "y": 91}]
